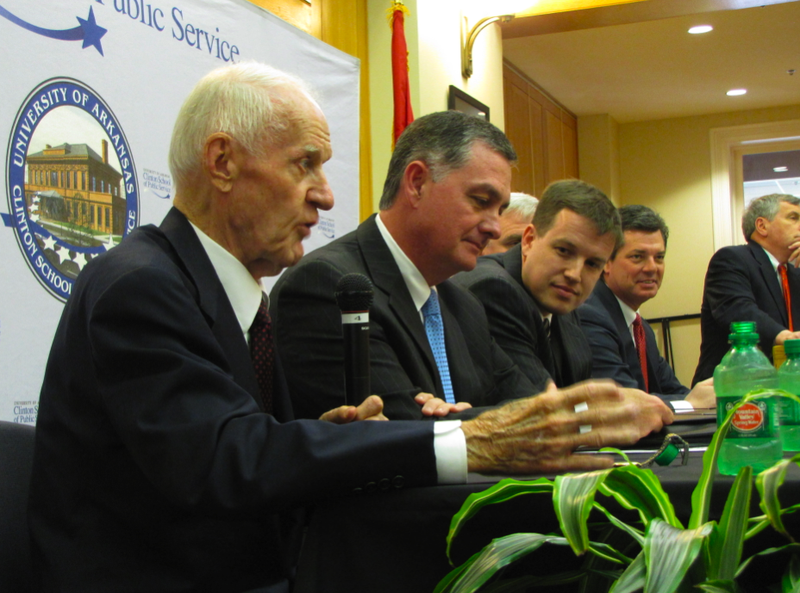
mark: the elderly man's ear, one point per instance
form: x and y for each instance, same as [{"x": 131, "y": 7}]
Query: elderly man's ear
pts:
[{"x": 221, "y": 160}]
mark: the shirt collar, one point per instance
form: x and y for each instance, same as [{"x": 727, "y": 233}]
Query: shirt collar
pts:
[
  {"x": 415, "y": 282},
  {"x": 242, "y": 290},
  {"x": 628, "y": 313},
  {"x": 775, "y": 263}
]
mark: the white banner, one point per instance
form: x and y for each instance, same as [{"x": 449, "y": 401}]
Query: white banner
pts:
[{"x": 89, "y": 94}]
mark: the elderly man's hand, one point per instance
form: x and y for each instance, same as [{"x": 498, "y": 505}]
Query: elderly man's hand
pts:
[
  {"x": 436, "y": 406},
  {"x": 370, "y": 409},
  {"x": 539, "y": 435}
]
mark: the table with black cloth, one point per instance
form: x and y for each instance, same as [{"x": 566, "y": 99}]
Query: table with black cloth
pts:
[{"x": 395, "y": 541}]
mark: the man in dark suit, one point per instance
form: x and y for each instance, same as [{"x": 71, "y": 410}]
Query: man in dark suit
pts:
[
  {"x": 611, "y": 320},
  {"x": 165, "y": 459},
  {"x": 743, "y": 282},
  {"x": 435, "y": 219},
  {"x": 530, "y": 293},
  {"x": 448, "y": 182}
]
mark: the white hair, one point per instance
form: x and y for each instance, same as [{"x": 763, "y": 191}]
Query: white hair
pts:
[
  {"x": 522, "y": 205},
  {"x": 242, "y": 100}
]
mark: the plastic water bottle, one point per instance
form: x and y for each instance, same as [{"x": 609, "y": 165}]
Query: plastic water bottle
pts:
[
  {"x": 753, "y": 438},
  {"x": 789, "y": 410}
]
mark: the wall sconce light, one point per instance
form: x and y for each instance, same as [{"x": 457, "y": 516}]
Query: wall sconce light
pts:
[{"x": 468, "y": 39}]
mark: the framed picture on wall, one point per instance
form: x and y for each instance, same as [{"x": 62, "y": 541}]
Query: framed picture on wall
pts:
[{"x": 461, "y": 101}]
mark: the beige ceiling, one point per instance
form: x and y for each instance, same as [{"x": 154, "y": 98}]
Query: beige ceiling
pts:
[{"x": 637, "y": 62}]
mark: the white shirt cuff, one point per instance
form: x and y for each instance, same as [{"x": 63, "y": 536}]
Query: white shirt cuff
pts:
[
  {"x": 682, "y": 405},
  {"x": 450, "y": 448}
]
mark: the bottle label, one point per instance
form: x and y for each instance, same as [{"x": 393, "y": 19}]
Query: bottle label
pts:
[{"x": 754, "y": 419}]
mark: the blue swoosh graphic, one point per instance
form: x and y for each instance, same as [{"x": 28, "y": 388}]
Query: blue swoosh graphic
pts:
[{"x": 88, "y": 30}]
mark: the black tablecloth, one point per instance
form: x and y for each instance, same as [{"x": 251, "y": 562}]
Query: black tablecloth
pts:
[{"x": 395, "y": 541}]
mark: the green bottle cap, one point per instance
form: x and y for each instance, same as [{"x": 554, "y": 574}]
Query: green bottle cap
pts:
[
  {"x": 669, "y": 454},
  {"x": 791, "y": 347},
  {"x": 743, "y": 331}
]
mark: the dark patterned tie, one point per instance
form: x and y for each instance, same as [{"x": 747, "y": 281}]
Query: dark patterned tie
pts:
[
  {"x": 641, "y": 348},
  {"x": 787, "y": 297},
  {"x": 434, "y": 328},
  {"x": 263, "y": 353}
]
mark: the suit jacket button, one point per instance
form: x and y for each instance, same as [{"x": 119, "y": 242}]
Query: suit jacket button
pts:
[
  {"x": 370, "y": 487},
  {"x": 384, "y": 484},
  {"x": 398, "y": 481}
]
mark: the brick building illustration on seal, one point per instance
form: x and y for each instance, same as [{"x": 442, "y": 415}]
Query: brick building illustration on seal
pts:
[{"x": 77, "y": 195}]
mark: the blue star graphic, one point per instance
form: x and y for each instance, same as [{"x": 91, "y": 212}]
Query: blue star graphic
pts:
[{"x": 92, "y": 32}]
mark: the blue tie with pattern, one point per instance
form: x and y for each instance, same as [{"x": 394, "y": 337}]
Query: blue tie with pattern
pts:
[{"x": 435, "y": 330}]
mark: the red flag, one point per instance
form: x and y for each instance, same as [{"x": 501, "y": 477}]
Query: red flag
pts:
[{"x": 403, "y": 114}]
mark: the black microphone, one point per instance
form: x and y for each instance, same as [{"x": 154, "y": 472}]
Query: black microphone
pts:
[{"x": 354, "y": 296}]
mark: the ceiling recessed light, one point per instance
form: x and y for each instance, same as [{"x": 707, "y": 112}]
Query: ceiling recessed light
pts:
[
  {"x": 736, "y": 92},
  {"x": 701, "y": 29},
  {"x": 780, "y": 169}
]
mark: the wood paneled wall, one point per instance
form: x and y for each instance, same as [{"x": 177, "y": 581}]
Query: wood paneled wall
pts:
[
  {"x": 342, "y": 24},
  {"x": 543, "y": 132}
]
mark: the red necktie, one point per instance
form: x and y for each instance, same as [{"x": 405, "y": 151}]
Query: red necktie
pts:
[
  {"x": 787, "y": 297},
  {"x": 263, "y": 353},
  {"x": 641, "y": 347}
]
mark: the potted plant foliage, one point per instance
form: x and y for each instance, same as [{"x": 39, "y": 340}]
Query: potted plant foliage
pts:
[{"x": 704, "y": 555}]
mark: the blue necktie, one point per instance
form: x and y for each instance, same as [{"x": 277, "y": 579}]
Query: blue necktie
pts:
[{"x": 435, "y": 330}]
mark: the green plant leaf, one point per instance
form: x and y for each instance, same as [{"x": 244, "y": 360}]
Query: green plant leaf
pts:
[
  {"x": 499, "y": 553},
  {"x": 701, "y": 496},
  {"x": 502, "y": 491},
  {"x": 639, "y": 488},
  {"x": 794, "y": 548},
  {"x": 616, "y": 522},
  {"x": 725, "y": 548},
  {"x": 633, "y": 578},
  {"x": 719, "y": 586},
  {"x": 573, "y": 496},
  {"x": 768, "y": 483},
  {"x": 790, "y": 583},
  {"x": 669, "y": 552}
]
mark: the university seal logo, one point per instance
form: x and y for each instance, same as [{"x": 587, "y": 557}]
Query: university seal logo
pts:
[{"x": 71, "y": 182}]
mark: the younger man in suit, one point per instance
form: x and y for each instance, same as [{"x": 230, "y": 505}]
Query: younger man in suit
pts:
[
  {"x": 753, "y": 282},
  {"x": 623, "y": 344},
  {"x": 530, "y": 293}
]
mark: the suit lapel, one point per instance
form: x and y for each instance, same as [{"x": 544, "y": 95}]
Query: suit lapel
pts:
[
  {"x": 612, "y": 306},
  {"x": 214, "y": 302},
  {"x": 387, "y": 278},
  {"x": 512, "y": 262},
  {"x": 770, "y": 278}
]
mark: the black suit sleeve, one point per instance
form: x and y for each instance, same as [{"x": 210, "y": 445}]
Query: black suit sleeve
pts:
[
  {"x": 608, "y": 351},
  {"x": 730, "y": 297},
  {"x": 199, "y": 438}
]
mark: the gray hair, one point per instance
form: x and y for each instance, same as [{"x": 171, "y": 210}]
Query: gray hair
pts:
[
  {"x": 764, "y": 207},
  {"x": 243, "y": 100},
  {"x": 522, "y": 205},
  {"x": 636, "y": 217},
  {"x": 583, "y": 199},
  {"x": 444, "y": 142}
]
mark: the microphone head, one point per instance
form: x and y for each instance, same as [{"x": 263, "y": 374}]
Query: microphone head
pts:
[{"x": 354, "y": 292}]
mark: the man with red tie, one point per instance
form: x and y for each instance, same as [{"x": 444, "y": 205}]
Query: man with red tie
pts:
[
  {"x": 623, "y": 344},
  {"x": 754, "y": 282}
]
